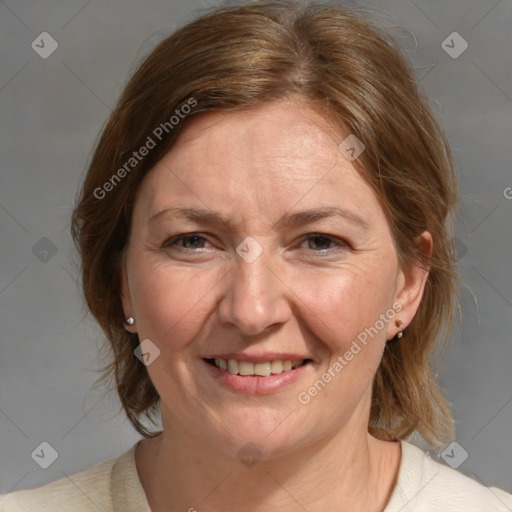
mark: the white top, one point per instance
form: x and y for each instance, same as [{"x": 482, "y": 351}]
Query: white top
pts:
[{"x": 423, "y": 485}]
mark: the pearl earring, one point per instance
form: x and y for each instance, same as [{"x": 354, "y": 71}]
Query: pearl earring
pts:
[{"x": 129, "y": 321}]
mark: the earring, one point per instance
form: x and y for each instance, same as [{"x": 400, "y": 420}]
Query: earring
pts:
[
  {"x": 129, "y": 321},
  {"x": 398, "y": 323}
]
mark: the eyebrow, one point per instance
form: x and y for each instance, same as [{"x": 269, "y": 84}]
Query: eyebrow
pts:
[{"x": 288, "y": 220}]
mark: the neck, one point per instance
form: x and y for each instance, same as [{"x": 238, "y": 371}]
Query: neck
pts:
[{"x": 344, "y": 473}]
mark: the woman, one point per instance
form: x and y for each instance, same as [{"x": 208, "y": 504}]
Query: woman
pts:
[{"x": 263, "y": 230}]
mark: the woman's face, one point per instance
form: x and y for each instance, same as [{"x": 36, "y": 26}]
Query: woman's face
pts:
[{"x": 238, "y": 251}]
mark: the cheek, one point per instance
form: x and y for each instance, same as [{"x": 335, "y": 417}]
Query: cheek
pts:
[
  {"x": 346, "y": 306},
  {"x": 171, "y": 303},
  {"x": 343, "y": 312}
]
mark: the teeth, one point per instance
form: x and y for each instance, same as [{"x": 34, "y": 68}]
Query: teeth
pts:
[
  {"x": 233, "y": 366},
  {"x": 261, "y": 369},
  {"x": 245, "y": 368},
  {"x": 276, "y": 366}
]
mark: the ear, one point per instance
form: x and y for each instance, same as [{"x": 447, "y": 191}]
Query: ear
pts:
[
  {"x": 126, "y": 296},
  {"x": 410, "y": 285}
]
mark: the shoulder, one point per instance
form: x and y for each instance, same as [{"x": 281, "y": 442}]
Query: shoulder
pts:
[
  {"x": 85, "y": 491},
  {"x": 426, "y": 485}
]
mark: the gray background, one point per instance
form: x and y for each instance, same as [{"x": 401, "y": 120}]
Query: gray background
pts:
[{"x": 51, "y": 111}]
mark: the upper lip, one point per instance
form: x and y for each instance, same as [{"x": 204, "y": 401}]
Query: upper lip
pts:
[{"x": 258, "y": 358}]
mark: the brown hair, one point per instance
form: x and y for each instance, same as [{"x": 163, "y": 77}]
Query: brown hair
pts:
[{"x": 337, "y": 61}]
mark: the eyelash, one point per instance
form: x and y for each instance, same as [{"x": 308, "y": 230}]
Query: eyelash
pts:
[{"x": 170, "y": 243}]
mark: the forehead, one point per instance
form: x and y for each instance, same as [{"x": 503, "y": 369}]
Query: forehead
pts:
[
  {"x": 285, "y": 139},
  {"x": 264, "y": 159}
]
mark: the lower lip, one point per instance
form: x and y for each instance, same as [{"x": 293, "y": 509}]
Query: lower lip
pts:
[{"x": 255, "y": 385}]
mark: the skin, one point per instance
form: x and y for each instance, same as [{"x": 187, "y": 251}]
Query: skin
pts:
[{"x": 199, "y": 297}]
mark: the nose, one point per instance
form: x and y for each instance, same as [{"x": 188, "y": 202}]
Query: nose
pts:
[{"x": 255, "y": 298}]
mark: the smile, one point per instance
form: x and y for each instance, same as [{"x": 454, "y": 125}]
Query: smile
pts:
[
  {"x": 257, "y": 377},
  {"x": 263, "y": 369}
]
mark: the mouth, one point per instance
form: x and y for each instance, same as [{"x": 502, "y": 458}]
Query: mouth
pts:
[{"x": 260, "y": 369}]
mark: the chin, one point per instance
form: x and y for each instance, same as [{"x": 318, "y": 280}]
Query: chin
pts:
[{"x": 269, "y": 433}]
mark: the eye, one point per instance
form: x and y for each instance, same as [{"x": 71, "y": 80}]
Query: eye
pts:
[
  {"x": 320, "y": 242},
  {"x": 186, "y": 241}
]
